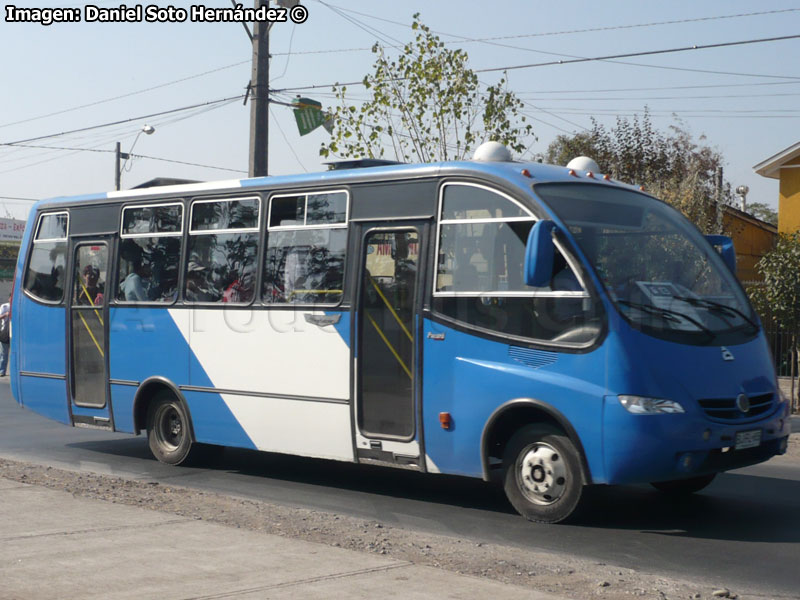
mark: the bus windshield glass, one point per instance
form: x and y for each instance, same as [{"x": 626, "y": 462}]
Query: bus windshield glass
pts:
[{"x": 663, "y": 276}]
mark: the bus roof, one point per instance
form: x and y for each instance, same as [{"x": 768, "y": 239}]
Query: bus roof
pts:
[{"x": 519, "y": 174}]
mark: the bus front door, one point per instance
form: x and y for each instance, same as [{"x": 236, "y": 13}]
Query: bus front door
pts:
[
  {"x": 387, "y": 348},
  {"x": 88, "y": 334}
]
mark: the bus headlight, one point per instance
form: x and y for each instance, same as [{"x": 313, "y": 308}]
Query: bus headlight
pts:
[{"x": 640, "y": 405}]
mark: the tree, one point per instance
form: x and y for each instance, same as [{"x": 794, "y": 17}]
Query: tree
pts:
[
  {"x": 763, "y": 211},
  {"x": 671, "y": 165},
  {"x": 425, "y": 105},
  {"x": 778, "y": 300}
]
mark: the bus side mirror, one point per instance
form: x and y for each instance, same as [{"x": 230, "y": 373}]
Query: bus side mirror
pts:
[
  {"x": 724, "y": 245},
  {"x": 539, "y": 254}
]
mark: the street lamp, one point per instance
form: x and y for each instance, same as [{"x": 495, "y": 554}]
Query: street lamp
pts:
[
  {"x": 147, "y": 130},
  {"x": 742, "y": 191}
]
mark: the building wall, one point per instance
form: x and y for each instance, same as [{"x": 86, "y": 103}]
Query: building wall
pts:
[
  {"x": 752, "y": 239},
  {"x": 789, "y": 198}
]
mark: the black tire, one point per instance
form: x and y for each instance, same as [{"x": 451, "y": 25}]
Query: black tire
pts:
[
  {"x": 684, "y": 487},
  {"x": 543, "y": 478},
  {"x": 169, "y": 430}
]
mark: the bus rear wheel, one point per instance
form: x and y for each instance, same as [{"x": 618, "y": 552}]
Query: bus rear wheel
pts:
[
  {"x": 168, "y": 432},
  {"x": 542, "y": 478},
  {"x": 684, "y": 487}
]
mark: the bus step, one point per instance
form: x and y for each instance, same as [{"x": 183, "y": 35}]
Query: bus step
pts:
[{"x": 88, "y": 422}]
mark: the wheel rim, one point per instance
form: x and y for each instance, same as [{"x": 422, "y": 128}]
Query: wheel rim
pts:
[
  {"x": 541, "y": 473},
  {"x": 169, "y": 428}
]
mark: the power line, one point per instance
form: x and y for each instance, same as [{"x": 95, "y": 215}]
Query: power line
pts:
[
  {"x": 180, "y": 162},
  {"x": 17, "y": 198},
  {"x": 112, "y": 136},
  {"x": 490, "y": 41},
  {"x": 463, "y": 39},
  {"x": 573, "y": 31},
  {"x": 134, "y": 93},
  {"x": 139, "y": 118},
  {"x": 288, "y": 143},
  {"x": 643, "y": 53},
  {"x": 669, "y": 87},
  {"x": 191, "y": 164},
  {"x": 688, "y": 114},
  {"x": 55, "y": 148},
  {"x": 359, "y": 24},
  {"x": 589, "y": 59},
  {"x": 710, "y": 97}
]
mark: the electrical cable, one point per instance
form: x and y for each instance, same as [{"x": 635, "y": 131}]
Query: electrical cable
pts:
[
  {"x": 669, "y": 87},
  {"x": 573, "y": 31},
  {"x": 139, "y": 118},
  {"x": 596, "y": 58},
  {"x": 643, "y": 53},
  {"x": 127, "y": 95},
  {"x": 18, "y": 199},
  {"x": 288, "y": 143}
]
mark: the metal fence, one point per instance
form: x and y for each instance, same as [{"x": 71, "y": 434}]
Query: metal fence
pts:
[{"x": 780, "y": 341}]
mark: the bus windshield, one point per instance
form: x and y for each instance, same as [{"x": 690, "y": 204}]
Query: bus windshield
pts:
[{"x": 664, "y": 278}]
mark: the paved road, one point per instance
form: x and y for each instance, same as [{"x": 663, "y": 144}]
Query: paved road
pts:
[{"x": 743, "y": 532}]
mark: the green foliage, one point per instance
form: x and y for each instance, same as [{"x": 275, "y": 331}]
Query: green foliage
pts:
[
  {"x": 670, "y": 165},
  {"x": 778, "y": 300},
  {"x": 425, "y": 105},
  {"x": 780, "y": 294},
  {"x": 763, "y": 211}
]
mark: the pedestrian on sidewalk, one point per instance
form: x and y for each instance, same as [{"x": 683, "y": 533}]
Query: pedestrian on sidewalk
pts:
[{"x": 5, "y": 336}]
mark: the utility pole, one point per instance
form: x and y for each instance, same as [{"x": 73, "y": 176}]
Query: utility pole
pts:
[
  {"x": 117, "y": 168},
  {"x": 718, "y": 199},
  {"x": 259, "y": 98}
]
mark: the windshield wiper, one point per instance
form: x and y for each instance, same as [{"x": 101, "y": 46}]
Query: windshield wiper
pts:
[
  {"x": 718, "y": 307},
  {"x": 667, "y": 314}
]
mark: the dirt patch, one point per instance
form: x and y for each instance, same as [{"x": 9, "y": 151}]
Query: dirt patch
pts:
[{"x": 564, "y": 575}]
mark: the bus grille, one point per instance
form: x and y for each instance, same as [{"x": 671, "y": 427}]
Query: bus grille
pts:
[{"x": 725, "y": 409}]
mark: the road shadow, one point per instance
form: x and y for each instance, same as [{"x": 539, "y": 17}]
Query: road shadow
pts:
[
  {"x": 735, "y": 507},
  {"x": 451, "y": 490}
]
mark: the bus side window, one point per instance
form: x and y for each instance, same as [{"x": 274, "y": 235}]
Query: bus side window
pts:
[
  {"x": 223, "y": 246},
  {"x": 149, "y": 253},
  {"x": 306, "y": 243},
  {"x": 45, "y": 274},
  {"x": 479, "y": 278}
]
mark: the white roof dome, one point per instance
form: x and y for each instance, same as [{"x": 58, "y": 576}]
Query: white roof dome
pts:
[
  {"x": 492, "y": 152},
  {"x": 583, "y": 163}
]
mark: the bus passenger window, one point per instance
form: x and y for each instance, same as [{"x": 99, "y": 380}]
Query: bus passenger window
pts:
[
  {"x": 479, "y": 275},
  {"x": 149, "y": 253},
  {"x": 45, "y": 274},
  {"x": 223, "y": 245},
  {"x": 307, "y": 237}
]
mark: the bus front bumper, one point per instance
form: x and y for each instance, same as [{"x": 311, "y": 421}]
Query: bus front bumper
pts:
[{"x": 665, "y": 447}]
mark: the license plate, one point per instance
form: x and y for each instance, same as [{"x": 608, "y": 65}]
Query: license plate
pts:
[{"x": 748, "y": 439}]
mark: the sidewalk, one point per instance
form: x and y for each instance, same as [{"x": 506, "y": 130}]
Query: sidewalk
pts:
[{"x": 54, "y": 545}]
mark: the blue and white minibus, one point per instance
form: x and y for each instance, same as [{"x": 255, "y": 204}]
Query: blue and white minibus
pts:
[{"x": 544, "y": 327}]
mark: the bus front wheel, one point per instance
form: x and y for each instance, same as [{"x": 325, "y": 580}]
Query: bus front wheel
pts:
[
  {"x": 168, "y": 432},
  {"x": 542, "y": 478}
]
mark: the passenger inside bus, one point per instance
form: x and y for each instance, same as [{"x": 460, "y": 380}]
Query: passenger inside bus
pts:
[
  {"x": 198, "y": 288},
  {"x": 134, "y": 286},
  {"x": 91, "y": 292}
]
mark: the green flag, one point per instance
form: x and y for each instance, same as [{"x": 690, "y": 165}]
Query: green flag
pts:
[{"x": 308, "y": 114}]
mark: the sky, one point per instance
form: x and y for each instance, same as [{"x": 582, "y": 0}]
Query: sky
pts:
[{"x": 56, "y": 79}]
